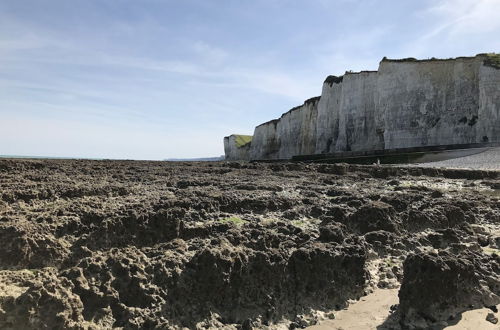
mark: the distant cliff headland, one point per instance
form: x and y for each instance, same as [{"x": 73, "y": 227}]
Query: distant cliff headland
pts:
[{"x": 406, "y": 103}]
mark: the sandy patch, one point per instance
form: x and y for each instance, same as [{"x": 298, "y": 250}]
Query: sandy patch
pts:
[
  {"x": 367, "y": 313},
  {"x": 372, "y": 311}
]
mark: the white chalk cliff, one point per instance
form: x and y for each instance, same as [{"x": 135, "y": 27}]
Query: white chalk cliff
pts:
[
  {"x": 405, "y": 103},
  {"x": 237, "y": 147}
]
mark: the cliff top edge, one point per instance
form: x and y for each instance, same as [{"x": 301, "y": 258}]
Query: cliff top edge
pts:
[
  {"x": 489, "y": 59},
  {"x": 434, "y": 59},
  {"x": 241, "y": 140},
  {"x": 311, "y": 100}
]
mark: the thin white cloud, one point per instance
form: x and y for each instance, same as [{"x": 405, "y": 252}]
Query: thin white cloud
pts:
[
  {"x": 210, "y": 67},
  {"x": 356, "y": 52},
  {"x": 456, "y": 25},
  {"x": 465, "y": 17},
  {"x": 210, "y": 53},
  {"x": 210, "y": 63}
]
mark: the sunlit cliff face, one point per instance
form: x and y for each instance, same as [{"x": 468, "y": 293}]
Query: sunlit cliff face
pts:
[{"x": 405, "y": 104}]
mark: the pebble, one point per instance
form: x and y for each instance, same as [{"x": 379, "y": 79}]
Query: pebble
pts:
[{"x": 491, "y": 318}]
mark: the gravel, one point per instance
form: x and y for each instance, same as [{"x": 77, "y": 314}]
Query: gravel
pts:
[{"x": 486, "y": 160}]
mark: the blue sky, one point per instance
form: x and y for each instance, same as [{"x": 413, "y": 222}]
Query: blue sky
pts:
[{"x": 154, "y": 79}]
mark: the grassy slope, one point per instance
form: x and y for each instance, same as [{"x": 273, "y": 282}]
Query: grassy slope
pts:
[{"x": 242, "y": 140}]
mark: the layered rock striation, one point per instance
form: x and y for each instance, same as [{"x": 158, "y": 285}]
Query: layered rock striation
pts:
[{"x": 405, "y": 103}]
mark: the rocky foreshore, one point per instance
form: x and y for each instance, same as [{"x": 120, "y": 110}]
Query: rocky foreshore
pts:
[{"x": 149, "y": 245}]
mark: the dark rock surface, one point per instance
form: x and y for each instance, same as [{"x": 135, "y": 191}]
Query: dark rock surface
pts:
[
  {"x": 439, "y": 287},
  {"x": 143, "y": 245}
]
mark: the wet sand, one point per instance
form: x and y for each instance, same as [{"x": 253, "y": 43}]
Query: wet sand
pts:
[
  {"x": 373, "y": 311},
  {"x": 369, "y": 312}
]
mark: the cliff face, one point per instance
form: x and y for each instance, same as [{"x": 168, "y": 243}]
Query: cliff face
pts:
[
  {"x": 237, "y": 147},
  {"x": 296, "y": 130},
  {"x": 265, "y": 141},
  {"x": 489, "y": 104},
  {"x": 327, "y": 126},
  {"x": 406, "y": 103},
  {"x": 357, "y": 113},
  {"x": 429, "y": 103}
]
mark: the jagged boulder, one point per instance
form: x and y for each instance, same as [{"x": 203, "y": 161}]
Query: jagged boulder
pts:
[
  {"x": 49, "y": 303},
  {"x": 374, "y": 216},
  {"x": 438, "y": 287},
  {"x": 28, "y": 246}
]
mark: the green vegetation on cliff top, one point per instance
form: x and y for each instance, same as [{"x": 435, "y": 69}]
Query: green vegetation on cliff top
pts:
[
  {"x": 492, "y": 60},
  {"x": 242, "y": 140}
]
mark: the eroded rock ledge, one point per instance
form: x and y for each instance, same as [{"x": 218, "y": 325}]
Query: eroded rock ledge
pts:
[{"x": 144, "y": 245}]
